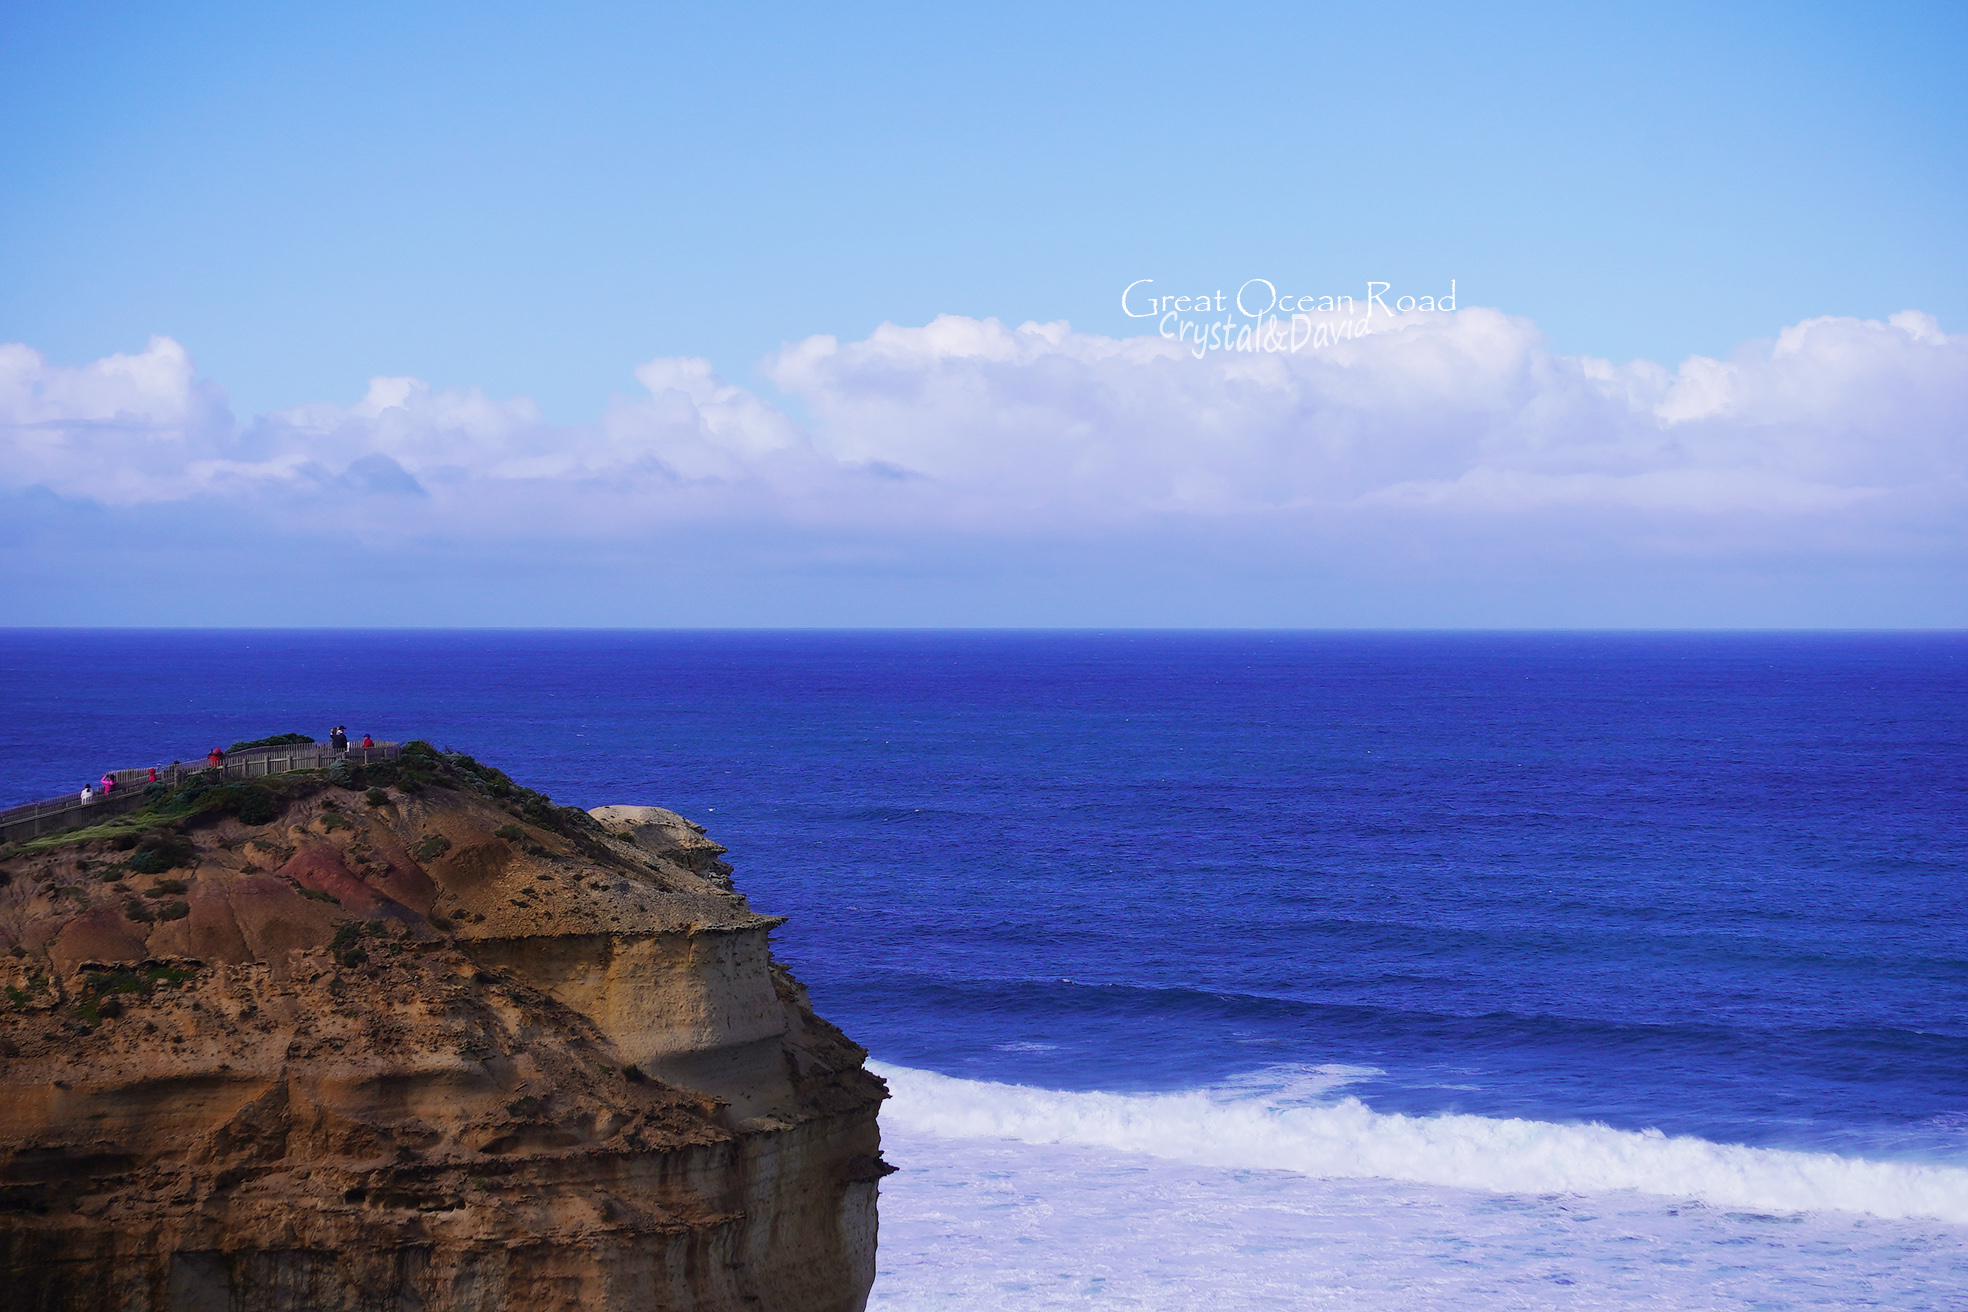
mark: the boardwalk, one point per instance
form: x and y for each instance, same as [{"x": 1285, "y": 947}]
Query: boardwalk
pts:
[{"x": 36, "y": 818}]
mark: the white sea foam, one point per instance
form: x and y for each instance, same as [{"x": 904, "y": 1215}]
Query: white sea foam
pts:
[
  {"x": 977, "y": 1225},
  {"x": 1274, "y": 1125}
]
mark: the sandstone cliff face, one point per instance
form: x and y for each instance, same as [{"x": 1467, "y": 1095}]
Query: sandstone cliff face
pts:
[{"x": 438, "y": 1046}]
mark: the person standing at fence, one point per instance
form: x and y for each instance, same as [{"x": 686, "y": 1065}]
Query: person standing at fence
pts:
[
  {"x": 107, "y": 783},
  {"x": 367, "y": 742},
  {"x": 153, "y": 774},
  {"x": 88, "y": 794},
  {"x": 215, "y": 758},
  {"x": 338, "y": 740}
]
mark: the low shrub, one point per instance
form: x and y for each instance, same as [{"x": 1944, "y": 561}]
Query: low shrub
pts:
[
  {"x": 173, "y": 911},
  {"x": 160, "y": 851},
  {"x": 278, "y": 740},
  {"x": 420, "y": 754},
  {"x": 208, "y": 797},
  {"x": 431, "y": 847},
  {"x": 376, "y": 797},
  {"x": 257, "y": 807},
  {"x": 164, "y": 886},
  {"x": 511, "y": 833},
  {"x": 347, "y": 945}
]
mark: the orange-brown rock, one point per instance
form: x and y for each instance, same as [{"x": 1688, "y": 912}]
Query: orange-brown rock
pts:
[{"x": 456, "y": 1050}]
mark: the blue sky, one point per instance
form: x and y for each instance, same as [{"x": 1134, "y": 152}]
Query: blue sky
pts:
[{"x": 536, "y": 202}]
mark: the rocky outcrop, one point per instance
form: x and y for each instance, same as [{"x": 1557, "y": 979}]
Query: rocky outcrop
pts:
[{"x": 422, "y": 1041}]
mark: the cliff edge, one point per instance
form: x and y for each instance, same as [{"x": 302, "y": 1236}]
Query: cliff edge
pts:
[{"x": 412, "y": 1037}]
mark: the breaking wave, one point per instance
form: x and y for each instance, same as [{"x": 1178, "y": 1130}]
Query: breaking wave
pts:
[{"x": 1274, "y": 1126}]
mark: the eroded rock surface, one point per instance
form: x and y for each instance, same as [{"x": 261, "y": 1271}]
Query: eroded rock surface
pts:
[{"x": 431, "y": 1046}]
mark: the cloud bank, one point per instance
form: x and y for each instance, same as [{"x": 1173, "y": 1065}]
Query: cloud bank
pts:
[{"x": 1442, "y": 469}]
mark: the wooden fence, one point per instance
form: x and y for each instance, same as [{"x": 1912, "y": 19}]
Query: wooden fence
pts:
[{"x": 37, "y": 818}]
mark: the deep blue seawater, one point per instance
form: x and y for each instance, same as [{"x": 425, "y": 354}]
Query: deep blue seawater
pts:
[{"x": 1708, "y": 885}]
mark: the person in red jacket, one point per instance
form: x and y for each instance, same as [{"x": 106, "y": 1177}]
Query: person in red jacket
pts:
[
  {"x": 215, "y": 758},
  {"x": 367, "y": 741}
]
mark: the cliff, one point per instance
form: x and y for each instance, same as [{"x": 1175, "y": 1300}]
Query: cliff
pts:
[{"x": 415, "y": 1040}]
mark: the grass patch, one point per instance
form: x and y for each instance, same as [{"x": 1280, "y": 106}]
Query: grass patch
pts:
[
  {"x": 431, "y": 847},
  {"x": 132, "y": 825},
  {"x": 204, "y": 797},
  {"x": 315, "y": 894}
]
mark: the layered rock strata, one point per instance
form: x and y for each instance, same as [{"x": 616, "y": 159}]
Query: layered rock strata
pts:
[{"x": 432, "y": 1046}]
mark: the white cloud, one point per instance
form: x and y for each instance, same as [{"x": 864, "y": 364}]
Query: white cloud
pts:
[
  {"x": 125, "y": 428},
  {"x": 1466, "y": 411},
  {"x": 1437, "y": 438}
]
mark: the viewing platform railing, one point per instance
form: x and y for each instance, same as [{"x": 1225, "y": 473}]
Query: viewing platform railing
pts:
[{"x": 37, "y": 818}]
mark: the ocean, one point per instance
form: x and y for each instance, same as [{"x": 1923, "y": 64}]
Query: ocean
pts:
[{"x": 1270, "y": 970}]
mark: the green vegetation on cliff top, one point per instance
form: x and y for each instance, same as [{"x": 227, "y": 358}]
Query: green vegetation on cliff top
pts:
[{"x": 209, "y": 796}]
